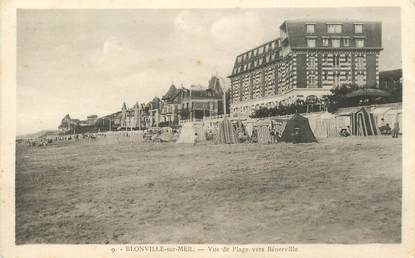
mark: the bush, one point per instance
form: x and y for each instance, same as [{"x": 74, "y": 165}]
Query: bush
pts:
[{"x": 300, "y": 106}]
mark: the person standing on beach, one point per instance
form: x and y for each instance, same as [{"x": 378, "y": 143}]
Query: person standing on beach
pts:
[
  {"x": 395, "y": 130},
  {"x": 195, "y": 139},
  {"x": 272, "y": 134},
  {"x": 296, "y": 135}
]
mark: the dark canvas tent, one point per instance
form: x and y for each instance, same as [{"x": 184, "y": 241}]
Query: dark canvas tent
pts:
[
  {"x": 285, "y": 126},
  {"x": 363, "y": 123}
]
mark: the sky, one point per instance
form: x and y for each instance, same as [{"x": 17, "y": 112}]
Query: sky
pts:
[{"x": 83, "y": 62}]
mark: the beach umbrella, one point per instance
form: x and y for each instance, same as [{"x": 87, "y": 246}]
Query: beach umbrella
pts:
[{"x": 368, "y": 92}]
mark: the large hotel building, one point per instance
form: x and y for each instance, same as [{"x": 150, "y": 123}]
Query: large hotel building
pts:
[{"x": 308, "y": 59}]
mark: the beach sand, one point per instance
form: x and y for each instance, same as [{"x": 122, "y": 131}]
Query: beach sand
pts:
[{"x": 340, "y": 190}]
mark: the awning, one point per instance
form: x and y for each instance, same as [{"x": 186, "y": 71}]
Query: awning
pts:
[
  {"x": 368, "y": 92},
  {"x": 380, "y": 111}
]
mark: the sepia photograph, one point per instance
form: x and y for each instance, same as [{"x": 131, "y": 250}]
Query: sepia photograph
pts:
[{"x": 209, "y": 126}]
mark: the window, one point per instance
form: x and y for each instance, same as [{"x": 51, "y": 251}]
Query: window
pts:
[
  {"x": 346, "y": 42},
  {"x": 360, "y": 42},
  {"x": 325, "y": 75},
  {"x": 313, "y": 81},
  {"x": 337, "y": 79},
  {"x": 336, "y": 60},
  {"x": 273, "y": 45},
  {"x": 334, "y": 28},
  {"x": 261, "y": 50},
  {"x": 312, "y": 63},
  {"x": 310, "y": 28},
  {"x": 360, "y": 62},
  {"x": 311, "y": 43},
  {"x": 325, "y": 42},
  {"x": 256, "y": 52},
  {"x": 358, "y": 28},
  {"x": 360, "y": 79},
  {"x": 335, "y": 42}
]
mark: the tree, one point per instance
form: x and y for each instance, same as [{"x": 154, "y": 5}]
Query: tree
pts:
[
  {"x": 299, "y": 106},
  {"x": 338, "y": 98},
  {"x": 396, "y": 91}
]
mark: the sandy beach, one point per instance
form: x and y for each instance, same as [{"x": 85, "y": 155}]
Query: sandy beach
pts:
[{"x": 340, "y": 190}]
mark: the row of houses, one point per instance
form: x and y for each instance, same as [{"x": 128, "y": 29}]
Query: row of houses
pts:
[{"x": 177, "y": 104}]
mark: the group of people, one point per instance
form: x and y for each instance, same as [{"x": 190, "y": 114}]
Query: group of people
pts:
[
  {"x": 43, "y": 141},
  {"x": 160, "y": 135},
  {"x": 386, "y": 129},
  {"x": 273, "y": 133}
]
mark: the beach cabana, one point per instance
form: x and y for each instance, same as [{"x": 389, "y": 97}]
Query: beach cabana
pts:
[
  {"x": 226, "y": 133},
  {"x": 363, "y": 123}
]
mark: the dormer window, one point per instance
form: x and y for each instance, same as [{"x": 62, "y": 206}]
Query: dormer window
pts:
[
  {"x": 311, "y": 42},
  {"x": 358, "y": 28},
  {"x": 346, "y": 42},
  {"x": 310, "y": 28},
  {"x": 334, "y": 28},
  {"x": 335, "y": 43},
  {"x": 360, "y": 42}
]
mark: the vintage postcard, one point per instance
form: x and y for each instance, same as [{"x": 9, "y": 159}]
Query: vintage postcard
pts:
[{"x": 199, "y": 129}]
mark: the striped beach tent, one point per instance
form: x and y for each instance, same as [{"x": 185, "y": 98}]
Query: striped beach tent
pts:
[
  {"x": 363, "y": 123},
  {"x": 226, "y": 133},
  {"x": 263, "y": 131}
]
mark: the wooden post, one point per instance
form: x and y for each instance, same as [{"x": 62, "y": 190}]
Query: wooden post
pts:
[{"x": 224, "y": 103}]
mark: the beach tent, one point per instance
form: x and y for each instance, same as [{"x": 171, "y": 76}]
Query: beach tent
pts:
[
  {"x": 189, "y": 131},
  {"x": 263, "y": 128},
  {"x": 249, "y": 128},
  {"x": 285, "y": 127},
  {"x": 388, "y": 114},
  {"x": 363, "y": 123},
  {"x": 323, "y": 125},
  {"x": 226, "y": 133}
]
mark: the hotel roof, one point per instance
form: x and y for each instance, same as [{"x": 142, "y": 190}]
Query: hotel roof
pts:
[{"x": 294, "y": 34}]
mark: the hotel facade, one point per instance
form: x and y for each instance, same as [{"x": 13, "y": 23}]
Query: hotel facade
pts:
[{"x": 307, "y": 60}]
